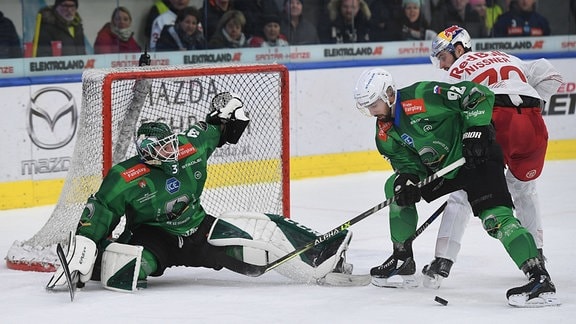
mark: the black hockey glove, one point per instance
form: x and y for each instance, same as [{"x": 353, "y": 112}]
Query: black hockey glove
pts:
[
  {"x": 476, "y": 143},
  {"x": 406, "y": 190}
]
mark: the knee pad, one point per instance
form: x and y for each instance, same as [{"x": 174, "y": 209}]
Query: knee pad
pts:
[{"x": 495, "y": 219}]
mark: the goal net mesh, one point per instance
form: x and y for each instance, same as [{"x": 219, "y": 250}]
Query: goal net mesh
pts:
[{"x": 252, "y": 175}]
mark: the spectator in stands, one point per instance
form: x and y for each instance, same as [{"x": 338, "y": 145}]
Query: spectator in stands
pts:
[
  {"x": 315, "y": 10},
  {"x": 521, "y": 20},
  {"x": 431, "y": 7},
  {"x": 116, "y": 36},
  {"x": 411, "y": 24},
  {"x": 9, "y": 41},
  {"x": 166, "y": 18},
  {"x": 230, "y": 31},
  {"x": 159, "y": 7},
  {"x": 381, "y": 29},
  {"x": 571, "y": 24},
  {"x": 488, "y": 10},
  {"x": 61, "y": 31},
  {"x": 297, "y": 28},
  {"x": 348, "y": 21},
  {"x": 212, "y": 13},
  {"x": 271, "y": 36},
  {"x": 255, "y": 12},
  {"x": 459, "y": 12},
  {"x": 184, "y": 34}
]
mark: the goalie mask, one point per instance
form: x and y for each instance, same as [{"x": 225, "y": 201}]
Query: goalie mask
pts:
[
  {"x": 158, "y": 146},
  {"x": 373, "y": 85},
  {"x": 447, "y": 40}
]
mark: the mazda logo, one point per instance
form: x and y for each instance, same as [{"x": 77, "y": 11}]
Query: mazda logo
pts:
[{"x": 52, "y": 118}]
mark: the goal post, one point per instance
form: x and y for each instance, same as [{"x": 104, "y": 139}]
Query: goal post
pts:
[{"x": 252, "y": 175}]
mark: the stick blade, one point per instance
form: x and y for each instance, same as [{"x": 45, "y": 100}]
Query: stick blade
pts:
[{"x": 71, "y": 279}]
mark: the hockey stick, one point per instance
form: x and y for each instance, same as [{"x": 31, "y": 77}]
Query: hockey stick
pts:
[
  {"x": 427, "y": 223},
  {"x": 254, "y": 270},
  {"x": 71, "y": 278},
  {"x": 342, "y": 279}
]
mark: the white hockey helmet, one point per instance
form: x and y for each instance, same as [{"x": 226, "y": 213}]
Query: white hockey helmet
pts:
[
  {"x": 372, "y": 85},
  {"x": 447, "y": 40}
]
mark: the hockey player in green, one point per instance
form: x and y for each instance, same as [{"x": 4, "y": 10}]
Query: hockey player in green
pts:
[
  {"x": 423, "y": 128},
  {"x": 159, "y": 192}
]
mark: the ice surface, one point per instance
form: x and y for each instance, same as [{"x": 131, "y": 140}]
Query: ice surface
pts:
[{"x": 475, "y": 290}]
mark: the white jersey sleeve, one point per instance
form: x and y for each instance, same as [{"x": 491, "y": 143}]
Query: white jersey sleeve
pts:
[{"x": 543, "y": 77}]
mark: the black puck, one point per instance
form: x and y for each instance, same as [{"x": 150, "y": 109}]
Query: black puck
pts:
[{"x": 441, "y": 300}]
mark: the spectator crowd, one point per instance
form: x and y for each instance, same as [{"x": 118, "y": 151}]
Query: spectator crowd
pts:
[{"x": 174, "y": 25}]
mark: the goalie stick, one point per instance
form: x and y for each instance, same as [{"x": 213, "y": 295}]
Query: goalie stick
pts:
[
  {"x": 341, "y": 279},
  {"x": 256, "y": 270},
  {"x": 71, "y": 278}
]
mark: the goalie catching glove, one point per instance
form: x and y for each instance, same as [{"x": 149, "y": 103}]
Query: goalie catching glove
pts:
[
  {"x": 228, "y": 111},
  {"x": 80, "y": 258}
]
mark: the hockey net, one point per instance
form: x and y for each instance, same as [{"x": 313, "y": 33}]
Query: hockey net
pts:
[{"x": 252, "y": 175}]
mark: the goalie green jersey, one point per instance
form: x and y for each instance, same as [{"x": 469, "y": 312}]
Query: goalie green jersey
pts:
[
  {"x": 148, "y": 195},
  {"x": 429, "y": 121}
]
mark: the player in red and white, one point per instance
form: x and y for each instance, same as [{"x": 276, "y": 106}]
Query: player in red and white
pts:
[{"x": 521, "y": 88}]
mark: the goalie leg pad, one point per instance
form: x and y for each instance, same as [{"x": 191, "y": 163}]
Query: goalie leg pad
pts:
[
  {"x": 266, "y": 238},
  {"x": 121, "y": 266}
]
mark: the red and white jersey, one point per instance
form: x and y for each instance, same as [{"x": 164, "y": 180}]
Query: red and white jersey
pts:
[{"x": 506, "y": 74}]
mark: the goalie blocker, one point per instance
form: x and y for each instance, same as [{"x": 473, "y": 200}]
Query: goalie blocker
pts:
[{"x": 248, "y": 238}]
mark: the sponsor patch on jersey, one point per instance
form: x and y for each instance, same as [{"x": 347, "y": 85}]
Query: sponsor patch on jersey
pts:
[
  {"x": 186, "y": 150},
  {"x": 413, "y": 106},
  {"x": 135, "y": 172},
  {"x": 172, "y": 185},
  {"x": 408, "y": 139},
  {"x": 437, "y": 89},
  {"x": 383, "y": 128},
  {"x": 430, "y": 157}
]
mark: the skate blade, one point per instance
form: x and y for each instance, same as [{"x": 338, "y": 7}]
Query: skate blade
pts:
[
  {"x": 543, "y": 300},
  {"x": 409, "y": 281},
  {"x": 432, "y": 282}
]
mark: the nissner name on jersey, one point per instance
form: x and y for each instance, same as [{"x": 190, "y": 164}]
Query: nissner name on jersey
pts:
[{"x": 478, "y": 60}]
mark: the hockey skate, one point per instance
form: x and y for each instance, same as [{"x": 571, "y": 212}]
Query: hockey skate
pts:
[
  {"x": 538, "y": 292},
  {"x": 398, "y": 270},
  {"x": 435, "y": 272}
]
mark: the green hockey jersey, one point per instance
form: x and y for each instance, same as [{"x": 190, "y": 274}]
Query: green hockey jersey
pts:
[
  {"x": 148, "y": 195},
  {"x": 429, "y": 121}
]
